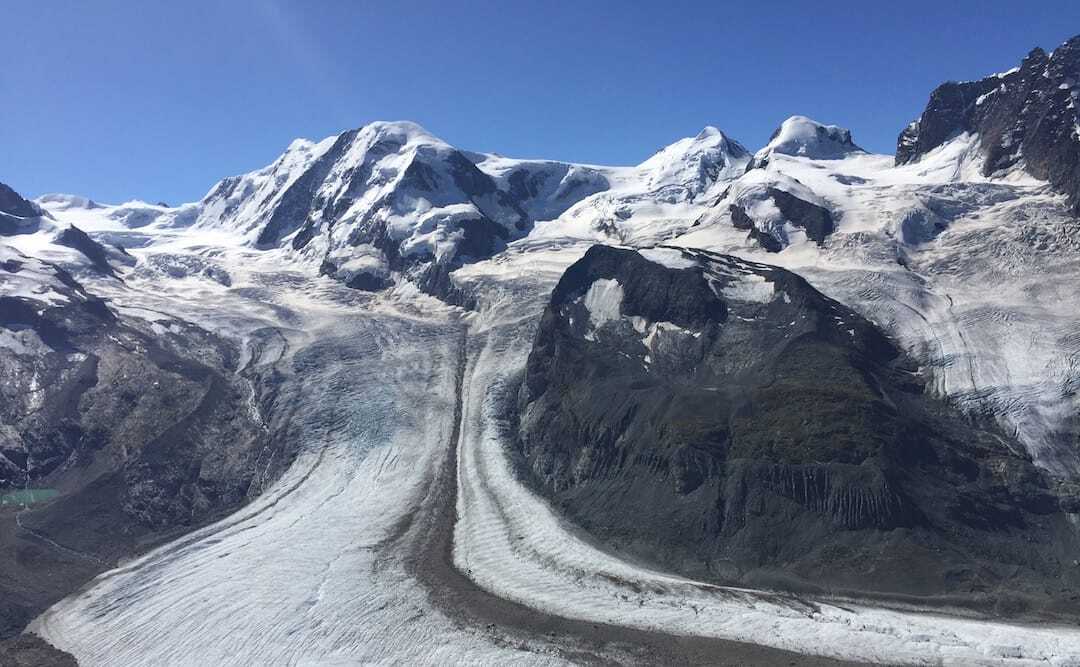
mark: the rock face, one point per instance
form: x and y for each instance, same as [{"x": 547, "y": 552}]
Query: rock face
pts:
[
  {"x": 17, "y": 215},
  {"x": 725, "y": 420},
  {"x": 1027, "y": 118},
  {"x": 32, "y": 651},
  {"x": 125, "y": 434},
  {"x": 12, "y": 203}
]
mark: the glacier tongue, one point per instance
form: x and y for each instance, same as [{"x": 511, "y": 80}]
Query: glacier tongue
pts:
[{"x": 313, "y": 570}]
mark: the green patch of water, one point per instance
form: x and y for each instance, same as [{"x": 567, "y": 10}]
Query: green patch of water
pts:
[{"x": 27, "y": 497}]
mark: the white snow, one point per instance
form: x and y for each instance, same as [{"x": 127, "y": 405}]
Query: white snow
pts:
[
  {"x": 694, "y": 162},
  {"x": 668, "y": 257},
  {"x": 750, "y": 288},
  {"x": 603, "y": 300},
  {"x": 804, "y": 137},
  {"x": 34, "y": 279}
]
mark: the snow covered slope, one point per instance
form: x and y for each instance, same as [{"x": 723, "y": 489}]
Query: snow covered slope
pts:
[{"x": 911, "y": 246}]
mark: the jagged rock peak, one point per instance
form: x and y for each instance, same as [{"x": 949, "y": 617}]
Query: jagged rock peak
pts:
[
  {"x": 13, "y": 203},
  {"x": 1026, "y": 118}
]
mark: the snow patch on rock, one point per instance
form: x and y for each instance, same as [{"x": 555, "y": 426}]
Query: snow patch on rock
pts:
[
  {"x": 604, "y": 303},
  {"x": 668, "y": 257}
]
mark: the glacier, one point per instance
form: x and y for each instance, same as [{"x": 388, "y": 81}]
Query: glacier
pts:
[{"x": 394, "y": 390}]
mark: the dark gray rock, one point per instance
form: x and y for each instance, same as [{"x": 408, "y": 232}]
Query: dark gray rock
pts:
[
  {"x": 817, "y": 221},
  {"x": 778, "y": 439},
  {"x": 12, "y": 203},
  {"x": 1025, "y": 117},
  {"x": 75, "y": 238},
  {"x": 32, "y": 651},
  {"x": 17, "y": 215}
]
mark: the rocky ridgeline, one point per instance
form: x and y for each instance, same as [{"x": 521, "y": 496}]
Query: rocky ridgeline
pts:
[{"x": 1028, "y": 117}]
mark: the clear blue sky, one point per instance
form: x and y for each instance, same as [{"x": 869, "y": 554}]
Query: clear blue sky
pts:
[{"x": 158, "y": 100}]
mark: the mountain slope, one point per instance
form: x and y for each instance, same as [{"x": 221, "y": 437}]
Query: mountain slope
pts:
[
  {"x": 725, "y": 420},
  {"x": 116, "y": 432},
  {"x": 388, "y": 197}
]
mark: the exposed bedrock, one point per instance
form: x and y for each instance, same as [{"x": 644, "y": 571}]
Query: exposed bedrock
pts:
[
  {"x": 1026, "y": 117},
  {"x": 725, "y": 420}
]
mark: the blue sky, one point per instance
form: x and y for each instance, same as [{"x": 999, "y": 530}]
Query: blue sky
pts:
[{"x": 157, "y": 100}]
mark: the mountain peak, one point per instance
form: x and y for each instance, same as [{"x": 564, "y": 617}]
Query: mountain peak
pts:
[
  {"x": 696, "y": 161},
  {"x": 707, "y": 132},
  {"x": 12, "y": 203},
  {"x": 805, "y": 137}
]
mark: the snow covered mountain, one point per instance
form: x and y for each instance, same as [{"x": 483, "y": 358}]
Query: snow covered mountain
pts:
[
  {"x": 391, "y": 199},
  {"x": 805, "y": 363},
  {"x": 805, "y": 137},
  {"x": 1027, "y": 118}
]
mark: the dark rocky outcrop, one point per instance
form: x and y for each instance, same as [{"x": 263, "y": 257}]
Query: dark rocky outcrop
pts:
[
  {"x": 75, "y": 238},
  {"x": 17, "y": 215},
  {"x": 361, "y": 280},
  {"x": 32, "y": 651},
  {"x": 12, "y": 203},
  {"x": 1026, "y": 117},
  {"x": 815, "y": 220},
  {"x": 729, "y": 422}
]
